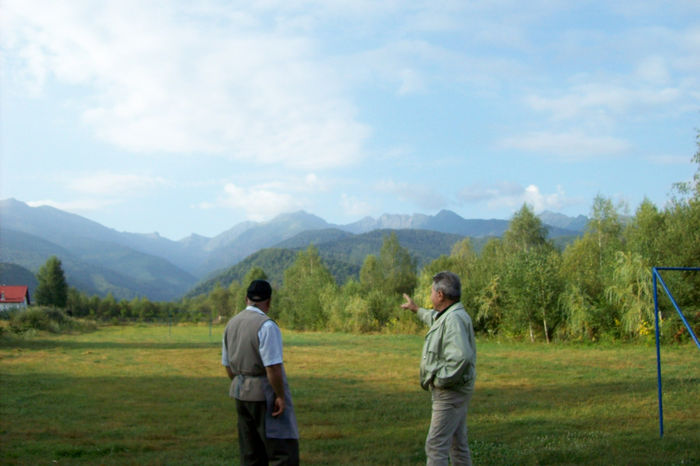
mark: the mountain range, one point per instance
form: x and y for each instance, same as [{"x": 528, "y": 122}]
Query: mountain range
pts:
[{"x": 99, "y": 260}]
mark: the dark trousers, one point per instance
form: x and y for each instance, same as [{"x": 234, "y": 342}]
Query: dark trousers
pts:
[{"x": 255, "y": 447}]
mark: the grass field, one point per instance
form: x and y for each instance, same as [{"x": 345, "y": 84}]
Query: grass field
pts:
[{"x": 158, "y": 395}]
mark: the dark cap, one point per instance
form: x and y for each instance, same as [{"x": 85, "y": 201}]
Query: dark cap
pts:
[{"x": 259, "y": 290}]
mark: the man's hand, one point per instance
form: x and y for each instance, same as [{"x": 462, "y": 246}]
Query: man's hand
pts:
[
  {"x": 409, "y": 304},
  {"x": 276, "y": 379},
  {"x": 278, "y": 407}
]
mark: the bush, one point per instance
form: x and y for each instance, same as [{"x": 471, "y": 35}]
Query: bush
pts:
[{"x": 48, "y": 319}]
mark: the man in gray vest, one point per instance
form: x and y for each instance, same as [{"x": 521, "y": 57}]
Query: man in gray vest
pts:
[{"x": 252, "y": 355}]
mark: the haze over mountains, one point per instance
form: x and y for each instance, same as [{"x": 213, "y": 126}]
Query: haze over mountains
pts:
[{"x": 99, "y": 260}]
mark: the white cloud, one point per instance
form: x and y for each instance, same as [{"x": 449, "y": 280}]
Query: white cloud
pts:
[
  {"x": 78, "y": 205},
  {"x": 654, "y": 69},
  {"x": 259, "y": 203},
  {"x": 158, "y": 81},
  {"x": 416, "y": 193},
  {"x": 414, "y": 66},
  {"x": 354, "y": 207},
  {"x": 513, "y": 196},
  {"x": 312, "y": 183},
  {"x": 571, "y": 145},
  {"x": 540, "y": 201},
  {"x": 590, "y": 99},
  {"x": 667, "y": 159},
  {"x": 113, "y": 184},
  {"x": 411, "y": 81},
  {"x": 478, "y": 192}
]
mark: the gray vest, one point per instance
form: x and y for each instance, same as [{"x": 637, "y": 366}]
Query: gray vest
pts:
[{"x": 242, "y": 348}]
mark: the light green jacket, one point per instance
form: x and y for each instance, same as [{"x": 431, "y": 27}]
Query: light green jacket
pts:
[{"x": 449, "y": 351}]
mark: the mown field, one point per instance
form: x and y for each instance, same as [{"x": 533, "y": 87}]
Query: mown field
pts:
[{"x": 158, "y": 395}]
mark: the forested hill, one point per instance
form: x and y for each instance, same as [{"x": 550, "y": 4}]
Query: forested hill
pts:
[
  {"x": 99, "y": 260},
  {"x": 342, "y": 252}
]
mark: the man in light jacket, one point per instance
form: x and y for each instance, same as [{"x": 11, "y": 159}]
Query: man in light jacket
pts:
[{"x": 447, "y": 370}]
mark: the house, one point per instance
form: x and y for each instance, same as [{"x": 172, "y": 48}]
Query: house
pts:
[{"x": 13, "y": 297}]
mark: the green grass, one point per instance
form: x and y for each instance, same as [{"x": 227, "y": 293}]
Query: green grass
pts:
[{"x": 158, "y": 395}]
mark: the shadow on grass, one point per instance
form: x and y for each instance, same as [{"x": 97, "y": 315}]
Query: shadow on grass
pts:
[
  {"x": 162, "y": 420},
  {"x": 38, "y": 344},
  {"x": 344, "y": 420}
]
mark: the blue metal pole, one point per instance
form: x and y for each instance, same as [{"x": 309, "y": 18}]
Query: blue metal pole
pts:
[
  {"x": 678, "y": 309},
  {"x": 658, "y": 353}
]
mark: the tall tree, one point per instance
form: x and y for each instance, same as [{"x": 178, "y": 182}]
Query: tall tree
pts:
[
  {"x": 486, "y": 277},
  {"x": 489, "y": 310},
  {"x": 587, "y": 267},
  {"x": 371, "y": 276},
  {"x": 52, "y": 289},
  {"x": 465, "y": 261},
  {"x": 305, "y": 282},
  {"x": 525, "y": 231},
  {"x": 220, "y": 300},
  {"x": 644, "y": 235},
  {"x": 397, "y": 266},
  {"x": 631, "y": 290},
  {"x": 681, "y": 244},
  {"x": 531, "y": 278},
  {"x": 606, "y": 229},
  {"x": 533, "y": 287}
]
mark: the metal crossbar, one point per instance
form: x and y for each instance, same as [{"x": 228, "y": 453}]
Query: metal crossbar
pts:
[{"x": 657, "y": 278}]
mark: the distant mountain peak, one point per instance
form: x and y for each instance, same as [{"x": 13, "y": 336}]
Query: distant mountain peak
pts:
[{"x": 90, "y": 249}]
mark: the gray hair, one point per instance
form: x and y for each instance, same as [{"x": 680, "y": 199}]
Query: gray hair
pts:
[{"x": 449, "y": 284}]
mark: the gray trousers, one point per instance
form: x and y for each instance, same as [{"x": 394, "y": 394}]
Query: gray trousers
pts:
[
  {"x": 447, "y": 437},
  {"x": 256, "y": 449}
]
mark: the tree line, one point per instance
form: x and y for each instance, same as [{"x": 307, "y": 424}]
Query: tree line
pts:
[{"x": 519, "y": 286}]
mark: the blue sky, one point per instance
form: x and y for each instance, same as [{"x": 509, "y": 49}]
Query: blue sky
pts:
[{"x": 184, "y": 117}]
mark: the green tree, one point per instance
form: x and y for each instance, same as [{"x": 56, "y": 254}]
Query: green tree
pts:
[
  {"x": 305, "y": 283},
  {"x": 371, "y": 276},
  {"x": 464, "y": 263},
  {"x": 524, "y": 231},
  {"x": 255, "y": 273},
  {"x": 631, "y": 290},
  {"x": 489, "y": 310},
  {"x": 605, "y": 229},
  {"x": 486, "y": 279},
  {"x": 645, "y": 234},
  {"x": 681, "y": 242},
  {"x": 52, "y": 289},
  {"x": 588, "y": 265},
  {"x": 220, "y": 301},
  {"x": 533, "y": 287},
  {"x": 397, "y": 267},
  {"x": 77, "y": 303},
  {"x": 531, "y": 276},
  {"x": 237, "y": 291},
  {"x": 108, "y": 308}
]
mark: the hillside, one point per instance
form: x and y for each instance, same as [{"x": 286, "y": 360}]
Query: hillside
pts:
[
  {"x": 78, "y": 234},
  {"x": 12, "y": 274},
  {"x": 343, "y": 253},
  {"x": 98, "y": 268},
  {"x": 255, "y": 237},
  {"x": 99, "y": 260}
]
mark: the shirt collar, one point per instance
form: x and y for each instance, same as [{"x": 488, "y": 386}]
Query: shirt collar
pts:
[
  {"x": 254, "y": 309},
  {"x": 440, "y": 313}
]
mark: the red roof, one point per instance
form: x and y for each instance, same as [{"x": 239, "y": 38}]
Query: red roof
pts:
[{"x": 13, "y": 294}]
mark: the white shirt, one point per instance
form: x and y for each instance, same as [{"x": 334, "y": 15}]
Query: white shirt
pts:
[{"x": 270, "y": 339}]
